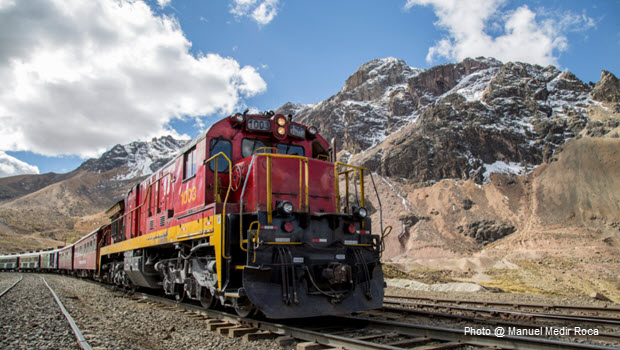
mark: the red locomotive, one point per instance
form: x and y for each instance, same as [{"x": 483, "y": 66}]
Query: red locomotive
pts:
[{"x": 248, "y": 215}]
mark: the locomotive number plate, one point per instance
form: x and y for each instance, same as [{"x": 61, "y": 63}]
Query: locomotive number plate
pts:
[
  {"x": 259, "y": 124},
  {"x": 297, "y": 131}
]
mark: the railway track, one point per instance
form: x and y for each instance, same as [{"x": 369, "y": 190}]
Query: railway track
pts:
[
  {"x": 558, "y": 318},
  {"x": 590, "y": 310},
  {"x": 603, "y": 336},
  {"x": 361, "y": 331},
  {"x": 32, "y": 318},
  {"x": 368, "y": 330},
  {"x": 21, "y": 277},
  {"x": 76, "y": 330}
]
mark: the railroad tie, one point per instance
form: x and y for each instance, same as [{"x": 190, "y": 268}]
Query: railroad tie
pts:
[
  {"x": 409, "y": 342},
  {"x": 259, "y": 336},
  {"x": 285, "y": 341},
  {"x": 226, "y": 330},
  {"x": 239, "y": 332},
  {"x": 212, "y": 325},
  {"x": 311, "y": 346}
]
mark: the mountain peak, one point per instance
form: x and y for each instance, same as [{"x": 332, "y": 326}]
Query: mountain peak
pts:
[
  {"x": 138, "y": 158},
  {"x": 372, "y": 77},
  {"x": 455, "y": 120}
]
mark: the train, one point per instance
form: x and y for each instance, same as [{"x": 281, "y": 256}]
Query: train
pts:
[{"x": 256, "y": 214}]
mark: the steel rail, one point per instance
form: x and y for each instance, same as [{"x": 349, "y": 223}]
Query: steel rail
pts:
[
  {"x": 13, "y": 285},
  {"x": 509, "y": 304},
  {"x": 558, "y": 317},
  {"x": 76, "y": 330},
  {"x": 276, "y": 328},
  {"x": 451, "y": 334},
  {"x": 435, "y": 333},
  {"x": 601, "y": 337}
]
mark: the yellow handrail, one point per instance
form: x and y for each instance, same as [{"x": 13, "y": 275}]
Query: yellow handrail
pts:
[
  {"x": 265, "y": 148},
  {"x": 146, "y": 196},
  {"x": 304, "y": 161},
  {"x": 216, "y": 192},
  {"x": 355, "y": 169}
]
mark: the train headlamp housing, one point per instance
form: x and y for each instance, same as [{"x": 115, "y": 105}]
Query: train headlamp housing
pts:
[
  {"x": 237, "y": 118},
  {"x": 285, "y": 207},
  {"x": 281, "y": 120},
  {"x": 360, "y": 212},
  {"x": 281, "y": 131},
  {"x": 312, "y": 131}
]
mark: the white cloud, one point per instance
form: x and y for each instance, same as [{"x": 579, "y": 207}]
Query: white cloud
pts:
[
  {"x": 11, "y": 166},
  {"x": 525, "y": 35},
  {"x": 78, "y": 76},
  {"x": 262, "y": 11},
  {"x": 163, "y": 3}
]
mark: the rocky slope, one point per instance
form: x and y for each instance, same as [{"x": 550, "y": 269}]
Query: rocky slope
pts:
[
  {"x": 484, "y": 165},
  {"x": 461, "y": 120},
  {"x": 73, "y": 203}
]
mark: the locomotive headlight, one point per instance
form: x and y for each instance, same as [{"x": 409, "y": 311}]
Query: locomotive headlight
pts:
[
  {"x": 237, "y": 118},
  {"x": 285, "y": 207},
  {"x": 281, "y": 130},
  {"x": 360, "y": 212},
  {"x": 281, "y": 121},
  {"x": 312, "y": 130}
]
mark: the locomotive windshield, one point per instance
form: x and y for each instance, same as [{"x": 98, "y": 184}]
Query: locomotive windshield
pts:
[{"x": 249, "y": 147}]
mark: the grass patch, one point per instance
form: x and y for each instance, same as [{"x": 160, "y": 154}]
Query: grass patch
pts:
[
  {"x": 423, "y": 275},
  {"x": 510, "y": 281}
]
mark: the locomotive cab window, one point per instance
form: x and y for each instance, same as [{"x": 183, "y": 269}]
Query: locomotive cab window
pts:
[
  {"x": 189, "y": 163},
  {"x": 291, "y": 149},
  {"x": 216, "y": 146},
  {"x": 318, "y": 151},
  {"x": 249, "y": 146}
]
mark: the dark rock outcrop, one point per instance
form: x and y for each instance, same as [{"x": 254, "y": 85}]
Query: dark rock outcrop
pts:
[{"x": 486, "y": 231}]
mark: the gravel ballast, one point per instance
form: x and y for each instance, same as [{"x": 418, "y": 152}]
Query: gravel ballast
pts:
[
  {"x": 30, "y": 317},
  {"x": 109, "y": 320}
]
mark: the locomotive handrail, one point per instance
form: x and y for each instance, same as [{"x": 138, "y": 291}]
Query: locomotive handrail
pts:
[
  {"x": 337, "y": 174},
  {"x": 216, "y": 193},
  {"x": 302, "y": 160},
  {"x": 360, "y": 170},
  {"x": 146, "y": 197},
  {"x": 265, "y": 148}
]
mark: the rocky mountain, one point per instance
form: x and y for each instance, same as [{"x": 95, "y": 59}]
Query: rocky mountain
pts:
[
  {"x": 137, "y": 158},
  {"x": 73, "y": 203},
  {"x": 498, "y": 173},
  {"x": 463, "y": 120}
]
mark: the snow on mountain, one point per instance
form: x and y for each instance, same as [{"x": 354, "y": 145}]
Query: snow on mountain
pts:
[
  {"x": 463, "y": 120},
  {"x": 137, "y": 158}
]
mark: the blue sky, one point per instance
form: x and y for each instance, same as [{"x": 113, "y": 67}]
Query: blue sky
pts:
[{"x": 77, "y": 87}]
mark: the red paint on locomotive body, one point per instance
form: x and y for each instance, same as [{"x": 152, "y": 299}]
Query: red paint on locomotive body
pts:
[
  {"x": 181, "y": 230},
  {"x": 148, "y": 204}
]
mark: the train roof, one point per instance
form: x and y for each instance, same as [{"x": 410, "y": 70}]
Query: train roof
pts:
[
  {"x": 87, "y": 236},
  {"x": 30, "y": 254}
]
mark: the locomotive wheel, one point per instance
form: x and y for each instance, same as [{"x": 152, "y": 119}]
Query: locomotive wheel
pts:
[
  {"x": 207, "y": 300},
  {"x": 245, "y": 308}
]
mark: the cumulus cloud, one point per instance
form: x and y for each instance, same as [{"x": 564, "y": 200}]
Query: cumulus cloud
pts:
[
  {"x": 524, "y": 35},
  {"x": 11, "y": 166},
  {"x": 262, "y": 11},
  {"x": 78, "y": 76}
]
